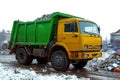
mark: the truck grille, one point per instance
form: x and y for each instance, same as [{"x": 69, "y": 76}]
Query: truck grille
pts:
[{"x": 94, "y": 46}]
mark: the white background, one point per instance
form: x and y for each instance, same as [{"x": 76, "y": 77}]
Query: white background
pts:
[{"x": 105, "y": 13}]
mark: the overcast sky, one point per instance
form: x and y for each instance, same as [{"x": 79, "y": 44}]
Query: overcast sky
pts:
[{"x": 106, "y": 13}]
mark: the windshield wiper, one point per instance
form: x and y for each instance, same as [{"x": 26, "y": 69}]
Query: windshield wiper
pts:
[
  {"x": 96, "y": 34},
  {"x": 87, "y": 32},
  {"x": 91, "y": 33}
]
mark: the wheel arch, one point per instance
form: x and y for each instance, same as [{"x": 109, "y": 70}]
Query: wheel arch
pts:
[
  {"x": 22, "y": 46},
  {"x": 58, "y": 47}
]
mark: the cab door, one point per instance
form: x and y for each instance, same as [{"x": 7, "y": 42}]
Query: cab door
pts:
[{"x": 70, "y": 36}]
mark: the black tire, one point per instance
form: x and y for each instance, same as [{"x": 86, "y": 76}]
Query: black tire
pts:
[
  {"x": 80, "y": 64},
  {"x": 22, "y": 57},
  {"x": 41, "y": 61},
  {"x": 59, "y": 61}
]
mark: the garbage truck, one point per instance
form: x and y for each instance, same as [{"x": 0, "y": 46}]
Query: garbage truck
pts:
[{"x": 61, "y": 39}]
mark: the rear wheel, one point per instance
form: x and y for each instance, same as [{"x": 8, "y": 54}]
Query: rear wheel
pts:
[
  {"x": 22, "y": 57},
  {"x": 80, "y": 64},
  {"x": 59, "y": 60}
]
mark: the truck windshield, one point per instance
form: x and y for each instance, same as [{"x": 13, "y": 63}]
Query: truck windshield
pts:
[{"x": 88, "y": 28}]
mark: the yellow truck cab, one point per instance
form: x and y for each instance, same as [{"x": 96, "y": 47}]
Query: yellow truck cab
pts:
[
  {"x": 60, "y": 39},
  {"x": 81, "y": 38}
]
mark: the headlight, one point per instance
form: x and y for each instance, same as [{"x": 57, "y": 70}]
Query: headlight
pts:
[
  {"x": 100, "y": 47},
  {"x": 86, "y": 55},
  {"x": 85, "y": 47}
]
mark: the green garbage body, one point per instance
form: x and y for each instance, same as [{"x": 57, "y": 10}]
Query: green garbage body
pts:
[{"x": 37, "y": 32}]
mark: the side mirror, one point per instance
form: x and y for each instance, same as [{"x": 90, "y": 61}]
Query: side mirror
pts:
[{"x": 99, "y": 29}]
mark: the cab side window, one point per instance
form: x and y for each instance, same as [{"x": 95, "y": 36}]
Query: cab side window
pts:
[{"x": 70, "y": 27}]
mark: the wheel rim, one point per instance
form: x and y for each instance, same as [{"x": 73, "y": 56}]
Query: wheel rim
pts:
[
  {"x": 22, "y": 56},
  {"x": 58, "y": 61}
]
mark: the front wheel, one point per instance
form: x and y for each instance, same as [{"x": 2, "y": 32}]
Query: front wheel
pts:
[
  {"x": 80, "y": 64},
  {"x": 59, "y": 60}
]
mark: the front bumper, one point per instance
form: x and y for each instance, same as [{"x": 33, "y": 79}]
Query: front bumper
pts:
[{"x": 84, "y": 55}]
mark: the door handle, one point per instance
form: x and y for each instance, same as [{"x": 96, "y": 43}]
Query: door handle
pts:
[
  {"x": 74, "y": 35},
  {"x": 64, "y": 38}
]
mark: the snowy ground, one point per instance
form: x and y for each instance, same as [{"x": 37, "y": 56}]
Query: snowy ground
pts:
[
  {"x": 11, "y": 70},
  {"x": 10, "y": 73}
]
